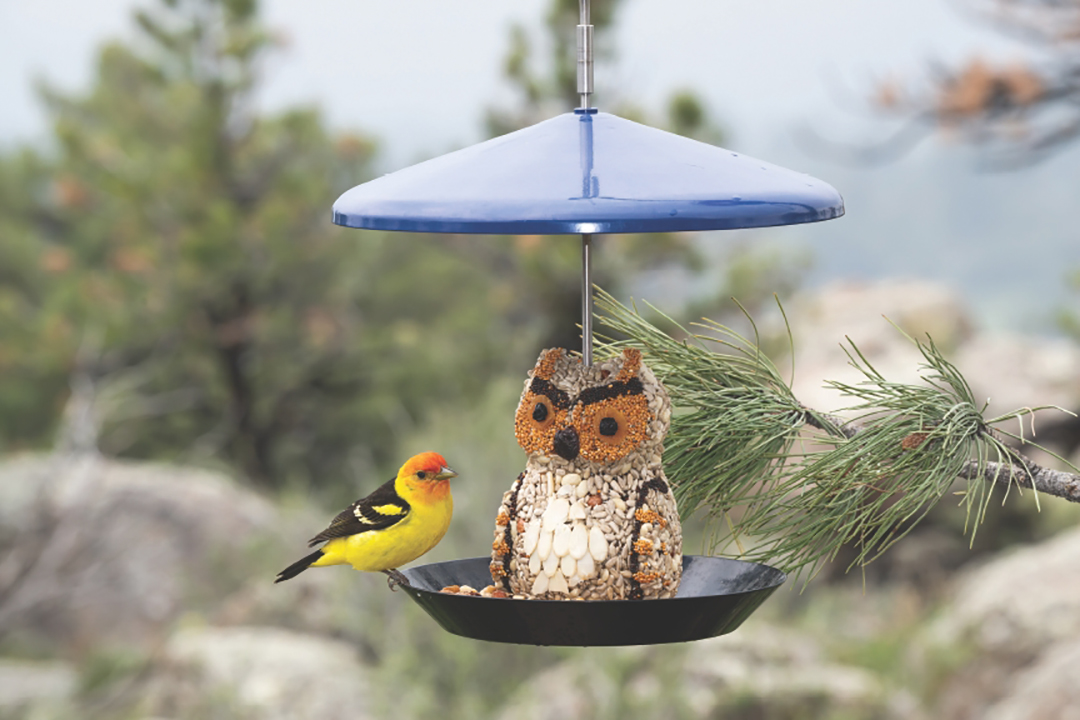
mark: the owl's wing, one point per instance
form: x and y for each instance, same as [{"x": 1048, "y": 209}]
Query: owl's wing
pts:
[{"x": 378, "y": 511}]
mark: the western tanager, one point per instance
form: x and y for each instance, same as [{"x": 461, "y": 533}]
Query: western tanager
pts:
[{"x": 396, "y": 524}]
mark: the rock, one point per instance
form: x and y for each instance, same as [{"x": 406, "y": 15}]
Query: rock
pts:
[
  {"x": 262, "y": 673},
  {"x": 26, "y": 686},
  {"x": 780, "y": 672},
  {"x": 1016, "y": 621},
  {"x": 1047, "y": 690},
  {"x": 821, "y": 322},
  {"x": 112, "y": 552},
  {"x": 1020, "y": 602},
  {"x": 1011, "y": 370},
  {"x": 756, "y": 672}
]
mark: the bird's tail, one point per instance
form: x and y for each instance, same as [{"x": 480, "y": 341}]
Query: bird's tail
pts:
[{"x": 299, "y": 566}]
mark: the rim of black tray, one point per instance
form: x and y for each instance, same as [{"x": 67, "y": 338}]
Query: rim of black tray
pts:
[{"x": 714, "y": 598}]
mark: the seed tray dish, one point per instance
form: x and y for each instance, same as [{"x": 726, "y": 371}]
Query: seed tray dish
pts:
[{"x": 715, "y": 596}]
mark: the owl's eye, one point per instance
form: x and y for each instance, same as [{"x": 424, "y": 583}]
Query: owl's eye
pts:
[
  {"x": 538, "y": 417},
  {"x": 543, "y": 413},
  {"x": 540, "y": 412},
  {"x": 613, "y": 427}
]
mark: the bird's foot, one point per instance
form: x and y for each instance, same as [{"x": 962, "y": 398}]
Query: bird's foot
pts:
[{"x": 394, "y": 579}]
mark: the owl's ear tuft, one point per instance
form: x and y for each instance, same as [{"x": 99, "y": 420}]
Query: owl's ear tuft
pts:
[
  {"x": 631, "y": 365},
  {"x": 545, "y": 366}
]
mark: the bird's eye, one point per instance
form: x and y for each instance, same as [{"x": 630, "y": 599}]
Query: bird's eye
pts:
[
  {"x": 540, "y": 412},
  {"x": 609, "y": 426},
  {"x": 421, "y": 474}
]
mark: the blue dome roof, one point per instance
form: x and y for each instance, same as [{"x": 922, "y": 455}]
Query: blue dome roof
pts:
[{"x": 587, "y": 172}]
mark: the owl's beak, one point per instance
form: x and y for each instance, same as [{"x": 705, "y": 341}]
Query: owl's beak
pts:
[{"x": 566, "y": 443}]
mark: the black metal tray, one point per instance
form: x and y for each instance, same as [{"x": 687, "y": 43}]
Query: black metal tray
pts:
[{"x": 715, "y": 596}]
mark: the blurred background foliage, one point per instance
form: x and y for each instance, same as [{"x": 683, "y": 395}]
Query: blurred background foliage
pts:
[
  {"x": 170, "y": 254},
  {"x": 172, "y": 289}
]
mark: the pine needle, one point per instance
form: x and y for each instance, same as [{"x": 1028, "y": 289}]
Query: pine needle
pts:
[
  {"x": 863, "y": 484},
  {"x": 737, "y": 417}
]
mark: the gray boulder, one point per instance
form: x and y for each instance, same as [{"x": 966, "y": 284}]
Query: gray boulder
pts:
[
  {"x": 1015, "y": 622},
  {"x": 1047, "y": 690},
  {"x": 35, "y": 689},
  {"x": 757, "y": 672},
  {"x": 99, "y": 551},
  {"x": 256, "y": 673}
]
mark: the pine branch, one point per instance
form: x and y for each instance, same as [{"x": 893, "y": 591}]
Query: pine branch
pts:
[
  {"x": 1057, "y": 483},
  {"x": 736, "y": 446},
  {"x": 1020, "y": 471}
]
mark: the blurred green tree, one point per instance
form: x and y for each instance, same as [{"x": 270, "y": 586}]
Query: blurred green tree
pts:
[{"x": 174, "y": 253}]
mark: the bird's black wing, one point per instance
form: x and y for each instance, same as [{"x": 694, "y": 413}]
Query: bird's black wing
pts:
[{"x": 378, "y": 511}]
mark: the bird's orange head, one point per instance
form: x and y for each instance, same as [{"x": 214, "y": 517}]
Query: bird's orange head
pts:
[
  {"x": 427, "y": 467},
  {"x": 425, "y": 477}
]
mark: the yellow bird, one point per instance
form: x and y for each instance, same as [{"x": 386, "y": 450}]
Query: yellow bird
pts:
[{"x": 394, "y": 525}]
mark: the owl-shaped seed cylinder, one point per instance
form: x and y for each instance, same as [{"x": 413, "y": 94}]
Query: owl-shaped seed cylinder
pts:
[{"x": 592, "y": 516}]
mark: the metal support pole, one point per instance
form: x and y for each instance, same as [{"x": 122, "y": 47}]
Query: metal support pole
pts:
[
  {"x": 585, "y": 89},
  {"x": 586, "y": 299},
  {"x": 585, "y": 54}
]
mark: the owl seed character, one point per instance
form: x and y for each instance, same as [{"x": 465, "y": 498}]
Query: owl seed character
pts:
[{"x": 592, "y": 517}]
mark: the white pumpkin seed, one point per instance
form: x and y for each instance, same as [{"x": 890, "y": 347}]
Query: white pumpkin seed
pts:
[
  {"x": 557, "y": 583},
  {"x": 551, "y": 564},
  {"x": 586, "y": 567},
  {"x": 532, "y": 537},
  {"x": 560, "y": 543},
  {"x": 556, "y": 513},
  {"x": 540, "y": 584},
  {"x": 579, "y": 542},
  {"x": 543, "y": 547},
  {"x": 598, "y": 545}
]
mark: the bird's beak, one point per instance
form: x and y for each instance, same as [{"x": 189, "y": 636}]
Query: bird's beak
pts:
[{"x": 445, "y": 474}]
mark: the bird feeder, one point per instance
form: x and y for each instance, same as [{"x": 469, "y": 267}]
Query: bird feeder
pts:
[{"x": 589, "y": 173}]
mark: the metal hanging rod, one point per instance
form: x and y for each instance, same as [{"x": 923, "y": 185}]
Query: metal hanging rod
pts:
[
  {"x": 585, "y": 89},
  {"x": 586, "y": 300},
  {"x": 585, "y": 53}
]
